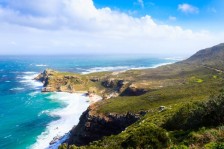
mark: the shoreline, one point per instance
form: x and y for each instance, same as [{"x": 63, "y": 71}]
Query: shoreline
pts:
[
  {"x": 57, "y": 139},
  {"x": 57, "y": 131},
  {"x": 123, "y": 68}
]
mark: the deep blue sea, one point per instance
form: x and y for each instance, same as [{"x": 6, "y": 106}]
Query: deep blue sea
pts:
[{"x": 29, "y": 118}]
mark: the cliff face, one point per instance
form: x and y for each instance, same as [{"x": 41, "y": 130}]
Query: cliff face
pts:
[
  {"x": 93, "y": 127},
  {"x": 61, "y": 82},
  {"x": 105, "y": 86}
]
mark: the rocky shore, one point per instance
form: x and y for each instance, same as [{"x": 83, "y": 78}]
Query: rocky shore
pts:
[
  {"x": 163, "y": 91},
  {"x": 92, "y": 126}
]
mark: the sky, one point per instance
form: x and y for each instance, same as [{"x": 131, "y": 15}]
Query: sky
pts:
[{"x": 156, "y": 27}]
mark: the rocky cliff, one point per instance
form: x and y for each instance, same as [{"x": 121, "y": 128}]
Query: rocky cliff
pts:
[
  {"x": 61, "y": 82},
  {"x": 170, "y": 86},
  {"x": 93, "y": 127},
  {"x": 105, "y": 85}
]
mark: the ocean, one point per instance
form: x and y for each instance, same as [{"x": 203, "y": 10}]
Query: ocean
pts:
[{"x": 30, "y": 119}]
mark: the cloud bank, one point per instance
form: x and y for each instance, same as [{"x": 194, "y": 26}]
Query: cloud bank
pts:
[
  {"x": 187, "y": 8},
  {"x": 77, "y": 26}
]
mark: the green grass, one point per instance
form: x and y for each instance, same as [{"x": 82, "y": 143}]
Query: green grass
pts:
[
  {"x": 149, "y": 131},
  {"x": 167, "y": 96},
  {"x": 192, "y": 85},
  {"x": 180, "y": 87}
]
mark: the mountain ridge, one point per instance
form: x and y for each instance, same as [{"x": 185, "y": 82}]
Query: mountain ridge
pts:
[
  {"x": 166, "y": 90},
  {"x": 212, "y": 57}
]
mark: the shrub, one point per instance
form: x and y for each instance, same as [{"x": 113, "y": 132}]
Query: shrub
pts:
[
  {"x": 196, "y": 115},
  {"x": 213, "y": 145},
  {"x": 148, "y": 136}
]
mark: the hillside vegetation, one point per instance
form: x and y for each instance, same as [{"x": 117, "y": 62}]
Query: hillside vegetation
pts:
[
  {"x": 183, "y": 102},
  {"x": 189, "y": 125}
]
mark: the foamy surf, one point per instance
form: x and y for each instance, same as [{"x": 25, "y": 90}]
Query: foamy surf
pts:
[
  {"x": 101, "y": 69},
  {"x": 58, "y": 131},
  {"x": 41, "y": 65},
  {"x": 17, "y": 89},
  {"x": 121, "y": 68},
  {"x": 28, "y": 79}
]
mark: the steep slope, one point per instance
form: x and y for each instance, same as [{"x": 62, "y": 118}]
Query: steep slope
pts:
[
  {"x": 160, "y": 92},
  {"x": 211, "y": 57},
  {"x": 168, "y": 87}
]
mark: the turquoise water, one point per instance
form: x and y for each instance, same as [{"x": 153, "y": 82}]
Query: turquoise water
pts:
[{"x": 24, "y": 111}]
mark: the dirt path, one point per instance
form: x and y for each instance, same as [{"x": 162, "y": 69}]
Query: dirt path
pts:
[{"x": 218, "y": 70}]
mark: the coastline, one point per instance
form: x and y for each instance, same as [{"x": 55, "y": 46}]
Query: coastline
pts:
[
  {"x": 59, "y": 135},
  {"x": 58, "y": 130}
]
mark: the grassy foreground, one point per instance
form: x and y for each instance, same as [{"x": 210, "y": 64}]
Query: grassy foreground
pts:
[
  {"x": 191, "y": 125},
  {"x": 184, "y": 104},
  {"x": 183, "y": 123}
]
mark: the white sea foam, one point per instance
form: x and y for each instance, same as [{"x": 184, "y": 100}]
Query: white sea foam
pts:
[
  {"x": 28, "y": 79},
  {"x": 32, "y": 94},
  {"x": 7, "y": 136},
  {"x": 41, "y": 65},
  {"x": 69, "y": 116},
  {"x": 17, "y": 89},
  {"x": 162, "y": 64},
  {"x": 101, "y": 69},
  {"x": 44, "y": 112},
  {"x": 175, "y": 58},
  {"x": 29, "y": 72},
  {"x": 121, "y": 68}
]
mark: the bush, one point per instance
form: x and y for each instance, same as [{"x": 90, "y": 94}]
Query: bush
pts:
[
  {"x": 149, "y": 136},
  {"x": 214, "y": 145},
  {"x": 179, "y": 147},
  {"x": 196, "y": 115}
]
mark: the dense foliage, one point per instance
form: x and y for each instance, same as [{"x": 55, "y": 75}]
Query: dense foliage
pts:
[
  {"x": 192, "y": 125},
  {"x": 192, "y": 113},
  {"x": 200, "y": 114}
]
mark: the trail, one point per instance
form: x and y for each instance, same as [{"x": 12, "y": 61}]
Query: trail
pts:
[{"x": 218, "y": 70}]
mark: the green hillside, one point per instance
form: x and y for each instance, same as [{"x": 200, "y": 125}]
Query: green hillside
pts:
[{"x": 184, "y": 103}]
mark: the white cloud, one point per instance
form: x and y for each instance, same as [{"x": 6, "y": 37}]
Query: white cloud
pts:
[
  {"x": 74, "y": 26},
  {"x": 187, "y": 8},
  {"x": 172, "y": 18},
  {"x": 141, "y": 2}
]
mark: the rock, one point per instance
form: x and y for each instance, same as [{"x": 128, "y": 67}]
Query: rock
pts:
[
  {"x": 162, "y": 108},
  {"x": 95, "y": 79},
  {"x": 122, "y": 85},
  {"x": 133, "y": 90},
  {"x": 56, "y": 81},
  {"x": 92, "y": 127},
  {"x": 47, "y": 89},
  {"x": 44, "y": 75},
  {"x": 109, "y": 83},
  {"x": 91, "y": 92}
]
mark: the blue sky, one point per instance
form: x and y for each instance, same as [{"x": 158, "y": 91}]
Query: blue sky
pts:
[
  {"x": 210, "y": 13},
  {"x": 176, "y": 27}
]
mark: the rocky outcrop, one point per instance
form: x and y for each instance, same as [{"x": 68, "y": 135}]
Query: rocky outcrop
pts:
[
  {"x": 43, "y": 77},
  {"x": 61, "y": 82},
  {"x": 133, "y": 90},
  {"x": 93, "y": 127},
  {"x": 109, "y": 83},
  {"x": 107, "y": 87},
  {"x": 122, "y": 85},
  {"x": 95, "y": 79}
]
